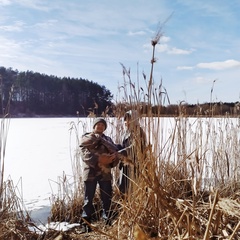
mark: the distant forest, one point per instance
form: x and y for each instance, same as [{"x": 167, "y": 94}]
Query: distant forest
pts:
[{"x": 31, "y": 94}]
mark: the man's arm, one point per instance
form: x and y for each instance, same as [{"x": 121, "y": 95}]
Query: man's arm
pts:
[{"x": 87, "y": 145}]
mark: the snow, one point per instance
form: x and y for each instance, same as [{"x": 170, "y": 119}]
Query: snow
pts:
[
  {"x": 38, "y": 152},
  {"x": 59, "y": 226}
]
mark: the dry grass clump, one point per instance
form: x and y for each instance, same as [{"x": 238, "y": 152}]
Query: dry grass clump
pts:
[
  {"x": 66, "y": 203},
  {"x": 14, "y": 222},
  {"x": 171, "y": 200},
  {"x": 186, "y": 186}
]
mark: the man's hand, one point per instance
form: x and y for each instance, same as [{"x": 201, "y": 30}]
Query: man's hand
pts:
[{"x": 106, "y": 159}]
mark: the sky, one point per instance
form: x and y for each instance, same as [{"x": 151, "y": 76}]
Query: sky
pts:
[{"x": 197, "y": 58}]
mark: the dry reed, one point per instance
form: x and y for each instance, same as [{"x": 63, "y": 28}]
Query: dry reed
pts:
[{"x": 188, "y": 183}]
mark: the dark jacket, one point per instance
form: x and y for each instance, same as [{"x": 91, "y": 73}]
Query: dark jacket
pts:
[
  {"x": 91, "y": 147},
  {"x": 135, "y": 137},
  {"x": 137, "y": 141}
]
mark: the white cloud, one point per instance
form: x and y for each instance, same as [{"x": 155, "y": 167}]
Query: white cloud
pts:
[
  {"x": 210, "y": 8},
  {"x": 201, "y": 80},
  {"x": 220, "y": 65},
  {"x": 47, "y": 24},
  {"x": 16, "y": 27},
  {"x": 9, "y": 47},
  {"x": 165, "y": 39},
  {"x": 162, "y": 48},
  {"x": 136, "y": 33},
  {"x": 228, "y": 64},
  {"x": 173, "y": 51},
  {"x": 178, "y": 51},
  {"x": 185, "y": 68},
  {"x": 37, "y": 4},
  {"x": 5, "y": 2}
]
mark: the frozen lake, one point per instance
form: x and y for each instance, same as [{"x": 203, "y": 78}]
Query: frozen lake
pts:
[{"x": 39, "y": 151}]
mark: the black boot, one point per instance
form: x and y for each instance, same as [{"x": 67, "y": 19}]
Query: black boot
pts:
[{"x": 85, "y": 225}]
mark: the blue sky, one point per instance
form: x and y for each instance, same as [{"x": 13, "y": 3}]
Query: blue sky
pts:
[{"x": 200, "y": 43}]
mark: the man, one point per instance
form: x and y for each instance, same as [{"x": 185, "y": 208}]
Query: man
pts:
[
  {"x": 99, "y": 155},
  {"x": 134, "y": 140}
]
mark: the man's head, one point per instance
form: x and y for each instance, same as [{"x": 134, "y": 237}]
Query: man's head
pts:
[
  {"x": 131, "y": 119},
  {"x": 99, "y": 125}
]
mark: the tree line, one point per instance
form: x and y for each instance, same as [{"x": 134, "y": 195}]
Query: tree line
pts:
[
  {"x": 184, "y": 109},
  {"x": 31, "y": 94}
]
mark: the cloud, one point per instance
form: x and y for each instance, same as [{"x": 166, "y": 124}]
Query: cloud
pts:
[
  {"x": 165, "y": 39},
  {"x": 9, "y": 47},
  {"x": 162, "y": 48},
  {"x": 137, "y": 33},
  {"x": 219, "y": 65},
  {"x": 173, "y": 51},
  {"x": 5, "y": 2},
  {"x": 46, "y": 24},
  {"x": 16, "y": 27},
  {"x": 185, "y": 68},
  {"x": 37, "y": 4},
  {"x": 228, "y": 64},
  {"x": 178, "y": 51},
  {"x": 201, "y": 80}
]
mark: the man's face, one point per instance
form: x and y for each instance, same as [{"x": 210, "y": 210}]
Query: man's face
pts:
[{"x": 99, "y": 128}]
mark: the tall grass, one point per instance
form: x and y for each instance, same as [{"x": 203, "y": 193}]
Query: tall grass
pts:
[
  {"x": 5, "y": 122},
  {"x": 188, "y": 185},
  {"x": 185, "y": 176},
  {"x": 192, "y": 161}
]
